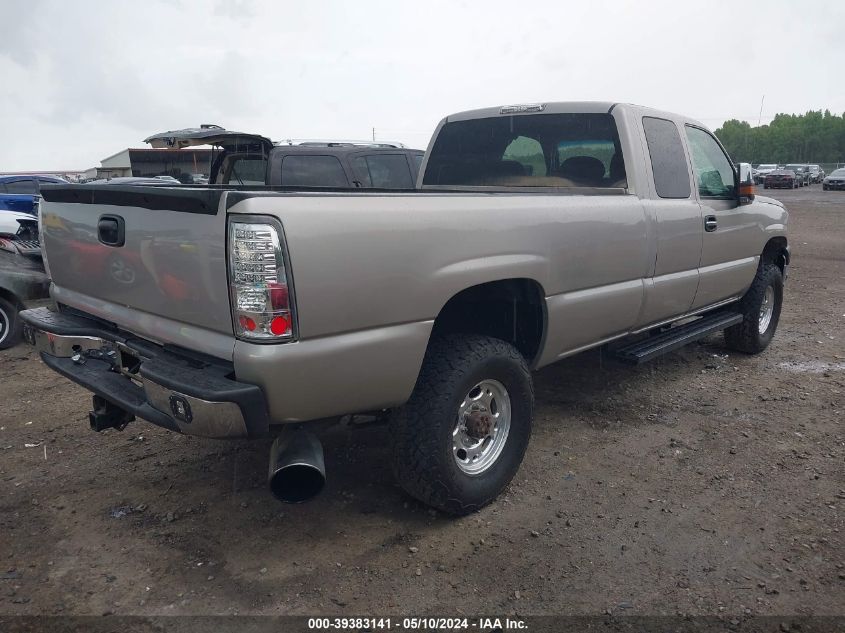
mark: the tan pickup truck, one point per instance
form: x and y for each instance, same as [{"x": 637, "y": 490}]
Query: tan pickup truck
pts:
[{"x": 536, "y": 231}]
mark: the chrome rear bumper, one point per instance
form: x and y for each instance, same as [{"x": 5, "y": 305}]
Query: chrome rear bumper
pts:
[{"x": 187, "y": 394}]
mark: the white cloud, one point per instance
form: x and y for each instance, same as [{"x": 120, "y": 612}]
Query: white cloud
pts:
[{"x": 85, "y": 79}]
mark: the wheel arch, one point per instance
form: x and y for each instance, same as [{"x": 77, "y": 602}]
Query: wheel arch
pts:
[
  {"x": 776, "y": 251},
  {"x": 511, "y": 309},
  {"x": 11, "y": 297}
]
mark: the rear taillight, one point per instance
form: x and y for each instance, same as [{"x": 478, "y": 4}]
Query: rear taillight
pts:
[{"x": 262, "y": 305}]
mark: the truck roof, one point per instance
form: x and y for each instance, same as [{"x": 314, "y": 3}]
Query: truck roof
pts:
[{"x": 563, "y": 107}]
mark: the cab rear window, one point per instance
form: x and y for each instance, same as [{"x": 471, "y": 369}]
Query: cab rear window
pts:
[{"x": 538, "y": 150}]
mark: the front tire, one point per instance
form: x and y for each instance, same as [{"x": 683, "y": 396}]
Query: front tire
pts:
[
  {"x": 760, "y": 308},
  {"x": 11, "y": 326},
  {"x": 459, "y": 440}
]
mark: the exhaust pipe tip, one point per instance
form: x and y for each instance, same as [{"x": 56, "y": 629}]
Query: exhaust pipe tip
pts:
[{"x": 297, "y": 467}]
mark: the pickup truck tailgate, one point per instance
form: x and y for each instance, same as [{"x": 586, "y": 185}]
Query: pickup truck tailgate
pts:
[{"x": 131, "y": 254}]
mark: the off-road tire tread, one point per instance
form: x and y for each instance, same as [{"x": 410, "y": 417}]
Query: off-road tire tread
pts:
[
  {"x": 448, "y": 359},
  {"x": 744, "y": 336}
]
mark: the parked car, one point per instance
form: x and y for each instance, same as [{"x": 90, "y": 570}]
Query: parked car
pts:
[
  {"x": 802, "y": 173},
  {"x": 762, "y": 171},
  {"x": 816, "y": 173},
  {"x": 20, "y": 192},
  {"x": 782, "y": 179},
  {"x": 539, "y": 231},
  {"x": 251, "y": 159},
  {"x": 836, "y": 180},
  {"x": 22, "y": 276},
  {"x": 169, "y": 179}
]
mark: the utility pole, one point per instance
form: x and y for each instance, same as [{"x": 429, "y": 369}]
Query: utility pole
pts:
[
  {"x": 374, "y": 135},
  {"x": 760, "y": 116}
]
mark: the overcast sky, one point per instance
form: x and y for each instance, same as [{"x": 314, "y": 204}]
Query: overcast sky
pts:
[{"x": 83, "y": 80}]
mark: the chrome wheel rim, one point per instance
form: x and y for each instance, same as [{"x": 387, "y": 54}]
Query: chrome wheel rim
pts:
[
  {"x": 484, "y": 421},
  {"x": 767, "y": 309}
]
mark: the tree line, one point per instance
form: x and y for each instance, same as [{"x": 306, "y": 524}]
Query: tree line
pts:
[{"x": 814, "y": 137}]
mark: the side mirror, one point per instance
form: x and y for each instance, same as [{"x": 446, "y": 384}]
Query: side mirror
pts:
[{"x": 746, "y": 184}]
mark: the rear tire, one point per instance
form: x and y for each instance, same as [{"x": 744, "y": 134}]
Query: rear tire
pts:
[
  {"x": 11, "y": 327},
  {"x": 760, "y": 308},
  {"x": 434, "y": 448}
]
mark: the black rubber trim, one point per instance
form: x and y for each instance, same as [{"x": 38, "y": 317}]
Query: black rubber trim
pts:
[
  {"x": 69, "y": 324},
  {"x": 95, "y": 376},
  {"x": 205, "y": 201},
  {"x": 235, "y": 197},
  {"x": 191, "y": 374}
]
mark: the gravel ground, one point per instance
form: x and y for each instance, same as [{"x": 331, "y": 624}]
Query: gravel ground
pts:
[{"x": 703, "y": 483}]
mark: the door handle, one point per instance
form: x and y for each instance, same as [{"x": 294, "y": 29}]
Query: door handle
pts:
[
  {"x": 111, "y": 230},
  {"x": 710, "y": 223}
]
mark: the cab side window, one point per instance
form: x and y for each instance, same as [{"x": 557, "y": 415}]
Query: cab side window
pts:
[
  {"x": 312, "y": 171},
  {"x": 668, "y": 162},
  {"x": 384, "y": 171},
  {"x": 714, "y": 172}
]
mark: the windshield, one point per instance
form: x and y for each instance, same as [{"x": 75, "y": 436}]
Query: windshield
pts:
[
  {"x": 540, "y": 150},
  {"x": 767, "y": 167},
  {"x": 838, "y": 173}
]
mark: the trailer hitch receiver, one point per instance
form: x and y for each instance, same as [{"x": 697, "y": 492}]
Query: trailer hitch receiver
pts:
[{"x": 108, "y": 416}]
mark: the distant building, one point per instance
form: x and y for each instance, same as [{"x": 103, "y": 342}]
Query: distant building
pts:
[{"x": 179, "y": 163}]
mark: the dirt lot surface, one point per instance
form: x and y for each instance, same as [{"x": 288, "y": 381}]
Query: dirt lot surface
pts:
[{"x": 703, "y": 483}]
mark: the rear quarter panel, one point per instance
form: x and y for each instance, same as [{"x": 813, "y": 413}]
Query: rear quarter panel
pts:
[
  {"x": 371, "y": 273},
  {"x": 367, "y": 260}
]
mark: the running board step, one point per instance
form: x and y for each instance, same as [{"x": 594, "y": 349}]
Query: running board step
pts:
[{"x": 677, "y": 337}]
